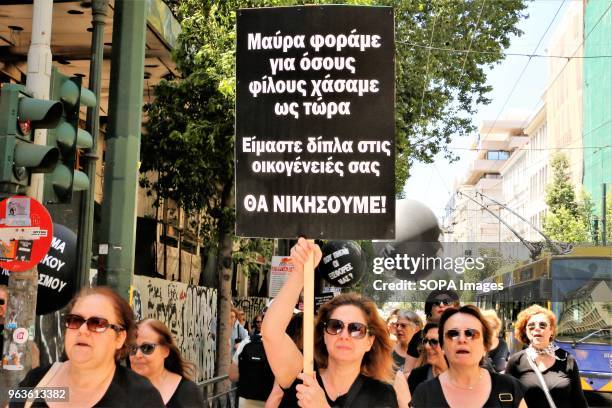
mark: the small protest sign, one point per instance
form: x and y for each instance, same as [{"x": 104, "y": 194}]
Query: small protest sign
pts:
[{"x": 342, "y": 263}]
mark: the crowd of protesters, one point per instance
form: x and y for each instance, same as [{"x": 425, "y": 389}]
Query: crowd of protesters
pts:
[{"x": 452, "y": 358}]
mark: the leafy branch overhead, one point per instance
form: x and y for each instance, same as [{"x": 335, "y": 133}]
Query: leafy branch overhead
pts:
[{"x": 189, "y": 140}]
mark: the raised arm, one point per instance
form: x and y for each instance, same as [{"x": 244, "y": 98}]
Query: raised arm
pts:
[{"x": 283, "y": 355}]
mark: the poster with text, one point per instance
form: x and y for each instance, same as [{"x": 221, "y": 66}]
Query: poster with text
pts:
[{"x": 315, "y": 122}]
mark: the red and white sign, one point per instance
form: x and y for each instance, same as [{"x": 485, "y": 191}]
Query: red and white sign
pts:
[
  {"x": 280, "y": 269},
  {"x": 26, "y": 232}
]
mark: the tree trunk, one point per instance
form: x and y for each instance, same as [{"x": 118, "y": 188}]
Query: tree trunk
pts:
[{"x": 224, "y": 290}]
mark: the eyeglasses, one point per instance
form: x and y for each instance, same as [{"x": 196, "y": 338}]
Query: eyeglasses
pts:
[
  {"x": 440, "y": 302},
  {"x": 355, "y": 330},
  {"x": 543, "y": 325},
  {"x": 146, "y": 348},
  {"x": 258, "y": 321},
  {"x": 2, "y": 302},
  {"x": 432, "y": 342},
  {"x": 94, "y": 324},
  {"x": 403, "y": 325},
  {"x": 471, "y": 334}
]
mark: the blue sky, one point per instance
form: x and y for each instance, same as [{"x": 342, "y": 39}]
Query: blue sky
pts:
[{"x": 433, "y": 183}]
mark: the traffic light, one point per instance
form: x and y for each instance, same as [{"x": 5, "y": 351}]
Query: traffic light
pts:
[
  {"x": 68, "y": 138},
  {"x": 20, "y": 115}
]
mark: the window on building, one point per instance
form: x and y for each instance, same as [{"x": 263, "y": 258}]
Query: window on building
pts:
[{"x": 498, "y": 155}]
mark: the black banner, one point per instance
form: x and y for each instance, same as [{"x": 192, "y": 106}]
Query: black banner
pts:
[{"x": 315, "y": 122}]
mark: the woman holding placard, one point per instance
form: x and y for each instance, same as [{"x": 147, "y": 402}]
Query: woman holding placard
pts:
[{"x": 352, "y": 351}]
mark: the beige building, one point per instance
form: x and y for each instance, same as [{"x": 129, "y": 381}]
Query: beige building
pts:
[
  {"x": 466, "y": 220},
  {"x": 524, "y": 177},
  {"x": 563, "y": 95}
]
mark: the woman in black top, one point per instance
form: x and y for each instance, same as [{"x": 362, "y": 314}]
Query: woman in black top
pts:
[
  {"x": 433, "y": 358},
  {"x": 99, "y": 326},
  {"x": 536, "y": 326},
  {"x": 352, "y": 351},
  {"x": 465, "y": 337},
  {"x": 499, "y": 353},
  {"x": 154, "y": 354}
]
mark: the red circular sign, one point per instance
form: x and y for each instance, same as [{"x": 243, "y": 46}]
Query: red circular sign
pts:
[{"x": 26, "y": 232}]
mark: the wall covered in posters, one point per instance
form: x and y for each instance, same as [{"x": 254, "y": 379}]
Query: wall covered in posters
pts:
[{"x": 188, "y": 311}]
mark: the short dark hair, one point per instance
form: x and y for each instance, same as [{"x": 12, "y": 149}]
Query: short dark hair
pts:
[
  {"x": 469, "y": 310},
  {"x": 429, "y": 326},
  {"x": 434, "y": 294}
]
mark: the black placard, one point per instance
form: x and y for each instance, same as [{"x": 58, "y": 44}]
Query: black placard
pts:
[
  {"x": 342, "y": 263},
  {"x": 315, "y": 122}
]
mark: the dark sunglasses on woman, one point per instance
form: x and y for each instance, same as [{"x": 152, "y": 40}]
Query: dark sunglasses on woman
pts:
[
  {"x": 471, "y": 334},
  {"x": 94, "y": 324},
  {"x": 355, "y": 330},
  {"x": 440, "y": 302},
  {"x": 432, "y": 342},
  {"x": 2, "y": 302},
  {"x": 146, "y": 348},
  {"x": 543, "y": 325}
]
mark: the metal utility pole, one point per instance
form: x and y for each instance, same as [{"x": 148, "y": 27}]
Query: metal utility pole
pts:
[
  {"x": 118, "y": 232},
  {"x": 23, "y": 286},
  {"x": 98, "y": 12}
]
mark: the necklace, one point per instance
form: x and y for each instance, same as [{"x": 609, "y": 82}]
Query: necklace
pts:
[{"x": 463, "y": 387}]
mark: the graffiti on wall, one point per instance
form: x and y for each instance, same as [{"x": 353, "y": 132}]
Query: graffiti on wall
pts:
[
  {"x": 251, "y": 306},
  {"x": 188, "y": 311},
  {"x": 49, "y": 337}
]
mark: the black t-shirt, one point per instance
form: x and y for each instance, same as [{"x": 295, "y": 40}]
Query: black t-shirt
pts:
[
  {"x": 562, "y": 380},
  {"x": 413, "y": 346},
  {"x": 373, "y": 393},
  {"x": 503, "y": 387},
  {"x": 398, "y": 360},
  {"x": 127, "y": 389},
  {"x": 187, "y": 394},
  {"x": 419, "y": 375},
  {"x": 499, "y": 356}
]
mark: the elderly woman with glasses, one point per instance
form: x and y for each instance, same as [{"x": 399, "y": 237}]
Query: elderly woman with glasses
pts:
[
  {"x": 352, "y": 350},
  {"x": 154, "y": 355},
  {"x": 406, "y": 326},
  {"x": 556, "y": 382},
  {"x": 465, "y": 337},
  {"x": 99, "y": 326}
]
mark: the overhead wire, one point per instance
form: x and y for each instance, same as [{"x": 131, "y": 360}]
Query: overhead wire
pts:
[
  {"x": 524, "y": 69},
  {"x": 505, "y": 54}
]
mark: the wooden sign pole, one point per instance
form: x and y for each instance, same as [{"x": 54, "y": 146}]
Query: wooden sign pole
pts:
[{"x": 308, "y": 342}]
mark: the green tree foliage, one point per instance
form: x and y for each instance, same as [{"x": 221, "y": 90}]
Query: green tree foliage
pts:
[
  {"x": 438, "y": 88},
  {"x": 568, "y": 220}
]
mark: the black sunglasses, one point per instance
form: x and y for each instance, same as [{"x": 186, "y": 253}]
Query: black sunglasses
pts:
[
  {"x": 440, "y": 302},
  {"x": 543, "y": 325},
  {"x": 2, "y": 302},
  {"x": 471, "y": 334},
  {"x": 146, "y": 348},
  {"x": 432, "y": 342},
  {"x": 94, "y": 324},
  {"x": 355, "y": 330}
]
